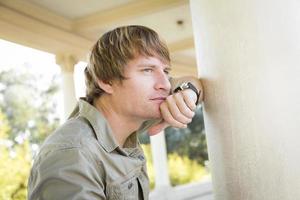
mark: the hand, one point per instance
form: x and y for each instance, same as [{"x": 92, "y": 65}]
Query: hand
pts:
[{"x": 177, "y": 111}]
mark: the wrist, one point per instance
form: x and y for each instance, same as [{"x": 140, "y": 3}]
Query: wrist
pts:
[
  {"x": 192, "y": 94},
  {"x": 191, "y": 88}
]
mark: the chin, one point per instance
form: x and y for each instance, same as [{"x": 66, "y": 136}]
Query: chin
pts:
[
  {"x": 153, "y": 116},
  {"x": 157, "y": 116},
  {"x": 150, "y": 113}
]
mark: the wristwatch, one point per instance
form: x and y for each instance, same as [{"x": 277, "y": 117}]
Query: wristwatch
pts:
[{"x": 188, "y": 85}]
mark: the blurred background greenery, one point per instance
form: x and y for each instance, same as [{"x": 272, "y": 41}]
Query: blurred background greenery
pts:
[
  {"x": 28, "y": 113},
  {"x": 187, "y": 153}
]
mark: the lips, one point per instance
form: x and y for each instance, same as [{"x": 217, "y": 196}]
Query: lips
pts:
[{"x": 159, "y": 98}]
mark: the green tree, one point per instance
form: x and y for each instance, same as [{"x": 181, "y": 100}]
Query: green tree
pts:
[
  {"x": 14, "y": 166},
  {"x": 27, "y": 115},
  {"x": 29, "y": 107},
  {"x": 190, "y": 142},
  {"x": 181, "y": 169},
  {"x": 4, "y": 126}
]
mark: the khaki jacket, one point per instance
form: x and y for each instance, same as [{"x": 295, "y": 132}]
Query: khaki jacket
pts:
[{"x": 82, "y": 160}]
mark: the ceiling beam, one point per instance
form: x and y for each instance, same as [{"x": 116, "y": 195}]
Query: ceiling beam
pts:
[
  {"x": 187, "y": 43},
  {"x": 181, "y": 70},
  {"x": 125, "y": 12},
  {"x": 31, "y": 32},
  {"x": 183, "y": 65},
  {"x": 187, "y": 60},
  {"x": 39, "y": 13}
]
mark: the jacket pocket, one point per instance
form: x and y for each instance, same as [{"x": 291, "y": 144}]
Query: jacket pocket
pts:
[{"x": 124, "y": 190}]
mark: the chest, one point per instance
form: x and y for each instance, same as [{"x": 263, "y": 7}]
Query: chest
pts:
[{"x": 126, "y": 177}]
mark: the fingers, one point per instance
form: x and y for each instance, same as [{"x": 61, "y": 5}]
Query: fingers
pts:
[
  {"x": 189, "y": 98},
  {"x": 182, "y": 106},
  {"x": 178, "y": 109},
  {"x": 175, "y": 111},
  {"x": 168, "y": 117}
]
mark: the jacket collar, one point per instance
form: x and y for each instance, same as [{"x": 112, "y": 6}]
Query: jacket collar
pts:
[{"x": 103, "y": 131}]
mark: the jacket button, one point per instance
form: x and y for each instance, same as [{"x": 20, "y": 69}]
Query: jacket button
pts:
[
  {"x": 141, "y": 157},
  {"x": 130, "y": 186}
]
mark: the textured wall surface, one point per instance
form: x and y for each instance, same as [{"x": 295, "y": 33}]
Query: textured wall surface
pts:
[{"x": 248, "y": 55}]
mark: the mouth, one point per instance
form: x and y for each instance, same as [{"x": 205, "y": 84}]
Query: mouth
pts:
[{"x": 159, "y": 98}]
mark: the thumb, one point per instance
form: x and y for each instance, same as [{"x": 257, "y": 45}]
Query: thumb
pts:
[{"x": 157, "y": 128}]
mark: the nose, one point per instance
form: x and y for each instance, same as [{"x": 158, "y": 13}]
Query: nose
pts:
[{"x": 162, "y": 82}]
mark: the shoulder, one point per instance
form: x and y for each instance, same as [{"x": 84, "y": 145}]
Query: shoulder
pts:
[
  {"x": 75, "y": 136},
  {"x": 72, "y": 133},
  {"x": 70, "y": 172},
  {"x": 67, "y": 153}
]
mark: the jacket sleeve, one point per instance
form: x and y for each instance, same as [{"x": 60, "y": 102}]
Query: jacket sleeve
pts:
[{"x": 66, "y": 174}]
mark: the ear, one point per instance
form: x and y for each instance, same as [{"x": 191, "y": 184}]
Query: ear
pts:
[{"x": 106, "y": 86}]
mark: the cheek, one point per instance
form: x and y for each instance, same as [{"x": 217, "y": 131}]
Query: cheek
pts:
[{"x": 142, "y": 86}]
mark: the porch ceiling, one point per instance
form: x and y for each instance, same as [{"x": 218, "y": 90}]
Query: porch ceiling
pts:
[{"x": 71, "y": 27}]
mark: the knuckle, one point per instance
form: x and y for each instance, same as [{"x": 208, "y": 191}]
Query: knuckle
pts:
[
  {"x": 169, "y": 98},
  {"x": 192, "y": 105},
  {"x": 193, "y": 114},
  {"x": 188, "y": 113},
  {"x": 177, "y": 116},
  {"x": 185, "y": 120},
  {"x": 168, "y": 119},
  {"x": 162, "y": 107},
  {"x": 185, "y": 92},
  {"x": 177, "y": 95},
  {"x": 188, "y": 120},
  {"x": 163, "y": 104}
]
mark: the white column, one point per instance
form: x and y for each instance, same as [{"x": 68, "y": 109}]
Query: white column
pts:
[
  {"x": 249, "y": 60},
  {"x": 160, "y": 161},
  {"x": 67, "y": 63}
]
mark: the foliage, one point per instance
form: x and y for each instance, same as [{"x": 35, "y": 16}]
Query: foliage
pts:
[
  {"x": 182, "y": 170},
  {"x": 187, "y": 152},
  {"x": 27, "y": 115},
  {"x": 190, "y": 142},
  {"x": 29, "y": 107},
  {"x": 14, "y": 166},
  {"x": 150, "y": 169},
  {"x": 4, "y": 126}
]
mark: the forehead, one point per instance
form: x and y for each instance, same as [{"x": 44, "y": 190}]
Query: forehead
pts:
[{"x": 143, "y": 61}]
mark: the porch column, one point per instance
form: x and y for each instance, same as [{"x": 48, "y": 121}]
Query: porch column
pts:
[
  {"x": 67, "y": 63},
  {"x": 160, "y": 162},
  {"x": 249, "y": 60}
]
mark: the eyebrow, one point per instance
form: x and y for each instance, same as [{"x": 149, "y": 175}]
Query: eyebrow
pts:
[{"x": 154, "y": 66}]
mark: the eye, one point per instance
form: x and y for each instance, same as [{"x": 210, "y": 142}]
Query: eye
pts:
[
  {"x": 167, "y": 72},
  {"x": 148, "y": 70}
]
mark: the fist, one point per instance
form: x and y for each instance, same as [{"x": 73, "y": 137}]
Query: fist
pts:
[{"x": 177, "y": 110}]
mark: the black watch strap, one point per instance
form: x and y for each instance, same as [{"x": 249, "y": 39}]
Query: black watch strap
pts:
[{"x": 188, "y": 85}]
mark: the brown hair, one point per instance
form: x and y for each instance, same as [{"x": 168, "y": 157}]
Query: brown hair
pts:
[{"x": 115, "y": 49}]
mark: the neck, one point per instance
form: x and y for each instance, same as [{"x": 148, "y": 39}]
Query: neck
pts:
[{"x": 122, "y": 126}]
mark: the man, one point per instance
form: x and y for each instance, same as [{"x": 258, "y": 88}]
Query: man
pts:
[{"x": 96, "y": 154}]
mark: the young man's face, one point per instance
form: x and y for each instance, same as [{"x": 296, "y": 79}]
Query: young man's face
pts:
[{"x": 146, "y": 87}]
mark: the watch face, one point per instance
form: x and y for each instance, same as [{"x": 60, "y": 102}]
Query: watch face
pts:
[{"x": 184, "y": 86}]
